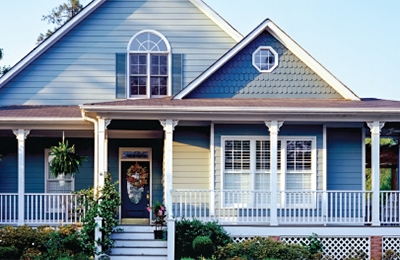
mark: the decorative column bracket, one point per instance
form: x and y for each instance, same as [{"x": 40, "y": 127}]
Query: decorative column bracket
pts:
[
  {"x": 166, "y": 127},
  {"x": 273, "y": 127}
]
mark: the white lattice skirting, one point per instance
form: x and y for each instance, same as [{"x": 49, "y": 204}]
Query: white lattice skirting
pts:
[
  {"x": 391, "y": 243},
  {"x": 336, "y": 247}
]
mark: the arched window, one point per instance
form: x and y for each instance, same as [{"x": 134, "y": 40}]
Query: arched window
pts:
[{"x": 149, "y": 65}]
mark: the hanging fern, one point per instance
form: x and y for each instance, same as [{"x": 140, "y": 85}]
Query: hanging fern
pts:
[{"x": 65, "y": 160}]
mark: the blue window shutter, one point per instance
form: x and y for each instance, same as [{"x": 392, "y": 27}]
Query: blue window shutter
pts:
[
  {"x": 177, "y": 81},
  {"x": 120, "y": 75}
]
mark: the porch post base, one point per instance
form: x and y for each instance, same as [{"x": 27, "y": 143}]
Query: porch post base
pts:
[
  {"x": 274, "y": 223},
  {"x": 376, "y": 223},
  {"x": 171, "y": 239}
]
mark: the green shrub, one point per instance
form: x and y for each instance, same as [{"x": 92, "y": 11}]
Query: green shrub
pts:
[
  {"x": 261, "y": 248},
  {"x": 203, "y": 246},
  {"x": 187, "y": 230},
  {"x": 8, "y": 252},
  {"x": 391, "y": 255},
  {"x": 104, "y": 203},
  {"x": 42, "y": 243},
  {"x": 24, "y": 237},
  {"x": 314, "y": 246}
]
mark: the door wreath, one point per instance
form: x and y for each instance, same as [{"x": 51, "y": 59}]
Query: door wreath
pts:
[{"x": 136, "y": 177}]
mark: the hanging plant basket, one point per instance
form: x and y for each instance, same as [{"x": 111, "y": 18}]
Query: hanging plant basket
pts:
[{"x": 64, "y": 160}]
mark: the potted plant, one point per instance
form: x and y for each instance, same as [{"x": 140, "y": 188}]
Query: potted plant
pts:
[
  {"x": 64, "y": 160},
  {"x": 159, "y": 213}
]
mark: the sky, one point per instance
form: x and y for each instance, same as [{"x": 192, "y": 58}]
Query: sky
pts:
[{"x": 357, "y": 40}]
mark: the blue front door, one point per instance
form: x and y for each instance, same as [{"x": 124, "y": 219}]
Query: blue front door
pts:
[{"x": 135, "y": 191}]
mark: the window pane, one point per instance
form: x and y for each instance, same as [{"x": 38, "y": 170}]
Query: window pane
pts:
[
  {"x": 135, "y": 154},
  {"x": 158, "y": 85},
  {"x": 138, "y": 85},
  {"x": 263, "y": 156},
  {"x": 59, "y": 187},
  {"x": 237, "y": 181},
  {"x": 298, "y": 155},
  {"x": 237, "y": 155},
  {"x": 159, "y": 65},
  {"x": 138, "y": 64}
]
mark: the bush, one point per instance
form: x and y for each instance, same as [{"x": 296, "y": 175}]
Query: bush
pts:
[
  {"x": 8, "y": 252},
  {"x": 261, "y": 248},
  {"x": 203, "y": 246},
  {"x": 314, "y": 246},
  {"x": 104, "y": 203},
  {"x": 187, "y": 230},
  {"x": 44, "y": 242}
]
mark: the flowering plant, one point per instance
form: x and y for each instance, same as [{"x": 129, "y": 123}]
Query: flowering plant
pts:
[{"x": 159, "y": 213}]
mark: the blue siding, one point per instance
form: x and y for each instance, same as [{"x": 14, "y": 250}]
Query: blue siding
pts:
[
  {"x": 157, "y": 149},
  {"x": 344, "y": 151},
  {"x": 83, "y": 61},
  {"x": 8, "y": 165},
  {"x": 35, "y": 163},
  {"x": 240, "y": 79},
  {"x": 262, "y": 130}
]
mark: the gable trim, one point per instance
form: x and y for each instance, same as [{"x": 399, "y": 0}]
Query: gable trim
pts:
[
  {"x": 283, "y": 38},
  {"x": 216, "y": 18}
]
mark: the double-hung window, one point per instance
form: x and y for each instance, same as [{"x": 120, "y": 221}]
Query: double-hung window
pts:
[
  {"x": 55, "y": 185},
  {"x": 247, "y": 166},
  {"x": 149, "y": 65}
]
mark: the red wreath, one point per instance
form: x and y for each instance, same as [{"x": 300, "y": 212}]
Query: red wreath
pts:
[{"x": 137, "y": 175}]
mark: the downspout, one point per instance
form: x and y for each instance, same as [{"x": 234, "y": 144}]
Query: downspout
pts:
[{"x": 96, "y": 163}]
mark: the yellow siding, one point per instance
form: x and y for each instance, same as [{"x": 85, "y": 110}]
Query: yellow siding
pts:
[{"x": 191, "y": 166}]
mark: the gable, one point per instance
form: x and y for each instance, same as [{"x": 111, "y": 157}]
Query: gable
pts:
[
  {"x": 80, "y": 67},
  {"x": 238, "y": 78}
]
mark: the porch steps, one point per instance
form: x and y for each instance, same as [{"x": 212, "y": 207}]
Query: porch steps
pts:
[{"x": 137, "y": 242}]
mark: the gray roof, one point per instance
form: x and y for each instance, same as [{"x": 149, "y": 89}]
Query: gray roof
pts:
[
  {"x": 253, "y": 103},
  {"x": 40, "y": 112}
]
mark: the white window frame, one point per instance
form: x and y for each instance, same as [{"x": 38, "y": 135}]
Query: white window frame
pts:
[
  {"x": 169, "y": 64},
  {"x": 276, "y": 56},
  {"x": 47, "y": 178},
  {"x": 283, "y": 169}
]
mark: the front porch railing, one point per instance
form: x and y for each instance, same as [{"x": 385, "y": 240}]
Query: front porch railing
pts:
[
  {"x": 390, "y": 207},
  {"x": 41, "y": 208},
  {"x": 294, "y": 207}
]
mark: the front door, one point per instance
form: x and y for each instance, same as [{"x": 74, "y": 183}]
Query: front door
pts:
[{"x": 135, "y": 167}]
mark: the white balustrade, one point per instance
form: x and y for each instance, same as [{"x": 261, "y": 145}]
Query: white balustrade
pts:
[
  {"x": 8, "y": 208},
  {"x": 390, "y": 207},
  {"x": 52, "y": 208},
  {"x": 41, "y": 208},
  {"x": 294, "y": 207}
]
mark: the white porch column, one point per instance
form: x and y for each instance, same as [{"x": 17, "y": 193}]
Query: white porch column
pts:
[
  {"x": 107, "y": 123},
  {"x": 102, "y": 126},
  {"x": 375, "y": 127},
  {"x": 169, "y": 127},
  {"x": 21, "y": 135},
  {"x": 273, "y": 127}
]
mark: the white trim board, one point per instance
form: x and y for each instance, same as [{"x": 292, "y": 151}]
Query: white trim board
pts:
[{"x": 288, "y": 43}]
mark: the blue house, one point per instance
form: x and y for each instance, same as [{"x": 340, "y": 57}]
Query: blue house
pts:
[{"x": 179, "y": 107}]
